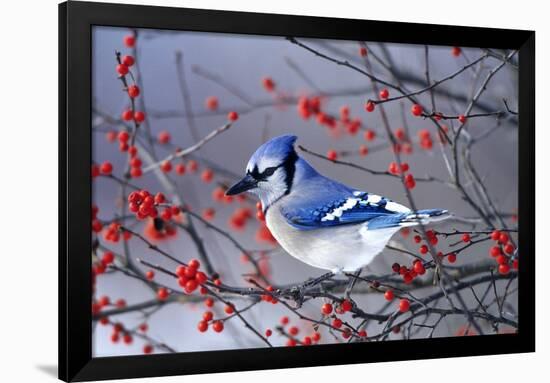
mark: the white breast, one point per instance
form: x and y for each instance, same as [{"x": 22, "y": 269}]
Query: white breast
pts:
[{"x": 338, "y": 248}]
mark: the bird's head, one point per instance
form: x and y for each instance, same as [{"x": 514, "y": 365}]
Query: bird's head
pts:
[{"x": 270, "y": 171}]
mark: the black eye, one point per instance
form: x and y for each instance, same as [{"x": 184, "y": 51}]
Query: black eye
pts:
[{"x": 269, "y": 171}]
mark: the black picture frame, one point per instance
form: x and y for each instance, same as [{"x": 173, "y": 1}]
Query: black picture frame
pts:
[{"x": 75, "y": 338}]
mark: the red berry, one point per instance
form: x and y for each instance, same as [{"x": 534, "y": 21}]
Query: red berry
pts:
[
  {"x": 147, "y": 349},
  {"x": 316, "y": 337},
  {"x": 502, "y": 259},
  {"x": 127, "y": 338},
  {"x": 166, "y": 166},
  {"x": 451, "y": 258},
  {"x": 504, "y": 238},
  {"x": 127, "y": 115},
  {"x": 495, "y": 235},
  {"x": 404, "y": 305},
  {"x": 123, "y": 136},
  {"x": 456, "y": 51},
  {"x": 326, "y": 308},
  {"x": 180, "y": 169},
  {"x": 400, "y": 134},
  {"x": 293, "y": 330},
  {"x": 133, "y": 91},
  {"x": 388, "y": 295},
  {"x": 396, "y": 267},
  {"x": 193, "y": 166},
  {"x": 107, "y": 258},
  {"x": 462, "y": 119},
  {"x": 111, "y": 136},
  {"x": 132, "y": 150},
  {"x": 419, "y": 268},
  {"x": 130, "y": 41},
  {"x": 370, "y": 135},
  {"x": 194, "y": 264},
  {"x": 495, "y": 251},
  {"x": 164, "y": 137},
  {"x": 159, "y": 198},
  {"x": 139, "y": 116},
  {"x": 217, "y": 326},
  {"x": 362, "y": 51},
  {"x": 136, "y": 172},
  {"x": 232, "y": 116},
  {"x": 284, "y": 320},
  {"x": 393, "y": 168},
  {"x": 122, "y": 69},
  {"x": 229, "y": 309},
  {"x": 162, "y": 293},
  {"x": 207, "y": 175},
  {"x": 104, "y": 301},
  {"x": 128, "y": 60},
  {"x": 504, "y": 269},
  {"x": 268, "y": 84},
  {"x": 306, "y": 341},
  {"x": 337, "y": 323},
  {"x": 150, "y": 275},
  {"x": 417, "y": 110},
  {"x": 202, "y": 326},
  {"x": 509, "y": 248},
  {"x": 466, "y": 238},
  {"x": 410, "y": 182},
  {"x": 332, "y": 155},
  {"x": 106, "y": 168},
  {"x": 384, "y": 94},
  {"x": 363, "y": 150},
  {"x": 211, "y": 103},
  {"x": 423, "y": 249},
  {"x": 369, "y": 106},
  {"x": 346, "y": 305},
  {"x": 362, "y": 334},
  {"x": 268, "y": 333},
  {"x": 207, "y": 316}
]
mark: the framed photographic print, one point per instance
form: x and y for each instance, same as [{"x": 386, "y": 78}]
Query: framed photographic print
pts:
[{"x": 248, "y": 191}]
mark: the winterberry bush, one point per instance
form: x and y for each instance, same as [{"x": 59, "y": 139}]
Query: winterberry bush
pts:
[{"x": 179, "y": 266}]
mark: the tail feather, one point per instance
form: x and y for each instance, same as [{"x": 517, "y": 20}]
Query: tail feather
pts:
[
  {"x": 408, "y": 219},
  {"x": 425, "y": 216}
]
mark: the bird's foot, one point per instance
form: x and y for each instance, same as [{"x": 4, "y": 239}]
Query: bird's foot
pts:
[{"x": 298, "y": 294}]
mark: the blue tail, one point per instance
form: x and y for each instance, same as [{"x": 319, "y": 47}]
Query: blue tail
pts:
[{"x": 408, "y": 219}]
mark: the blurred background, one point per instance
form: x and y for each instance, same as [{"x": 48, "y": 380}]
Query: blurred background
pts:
[{"x": 232, "y": 68}]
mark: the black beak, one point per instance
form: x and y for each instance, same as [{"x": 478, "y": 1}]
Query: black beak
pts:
[{"x": 247, "y": 183}]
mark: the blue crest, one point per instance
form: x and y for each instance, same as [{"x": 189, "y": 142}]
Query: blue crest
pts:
[{"x": 277, "y": 148}]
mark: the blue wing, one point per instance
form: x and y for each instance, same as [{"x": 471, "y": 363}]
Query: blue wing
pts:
[{"x": 343, "y": 207}]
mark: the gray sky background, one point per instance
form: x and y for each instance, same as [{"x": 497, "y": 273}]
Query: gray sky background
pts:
[{"x": 244, "y": 61}]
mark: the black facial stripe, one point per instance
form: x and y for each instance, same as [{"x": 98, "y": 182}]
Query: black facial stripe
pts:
[
  {"x": 289, "y": 165},
  {"x": 255, "y": 173}
]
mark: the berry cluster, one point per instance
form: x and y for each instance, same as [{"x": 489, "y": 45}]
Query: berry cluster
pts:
[
  {"x": 292, "y": 331},
  {"x": 395, "y": 169},
  {"x": 142, "y": 203},
  {"x": 189, "y": 276},
  {"x": 503, "y": 252},
  {"x": 409, "y": 273}
]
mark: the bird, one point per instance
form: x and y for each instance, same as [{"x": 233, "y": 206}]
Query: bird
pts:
[{"x": 320, "y": 221}]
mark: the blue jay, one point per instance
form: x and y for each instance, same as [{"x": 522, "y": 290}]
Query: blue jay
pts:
[{"x": 319, "y": 221}]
